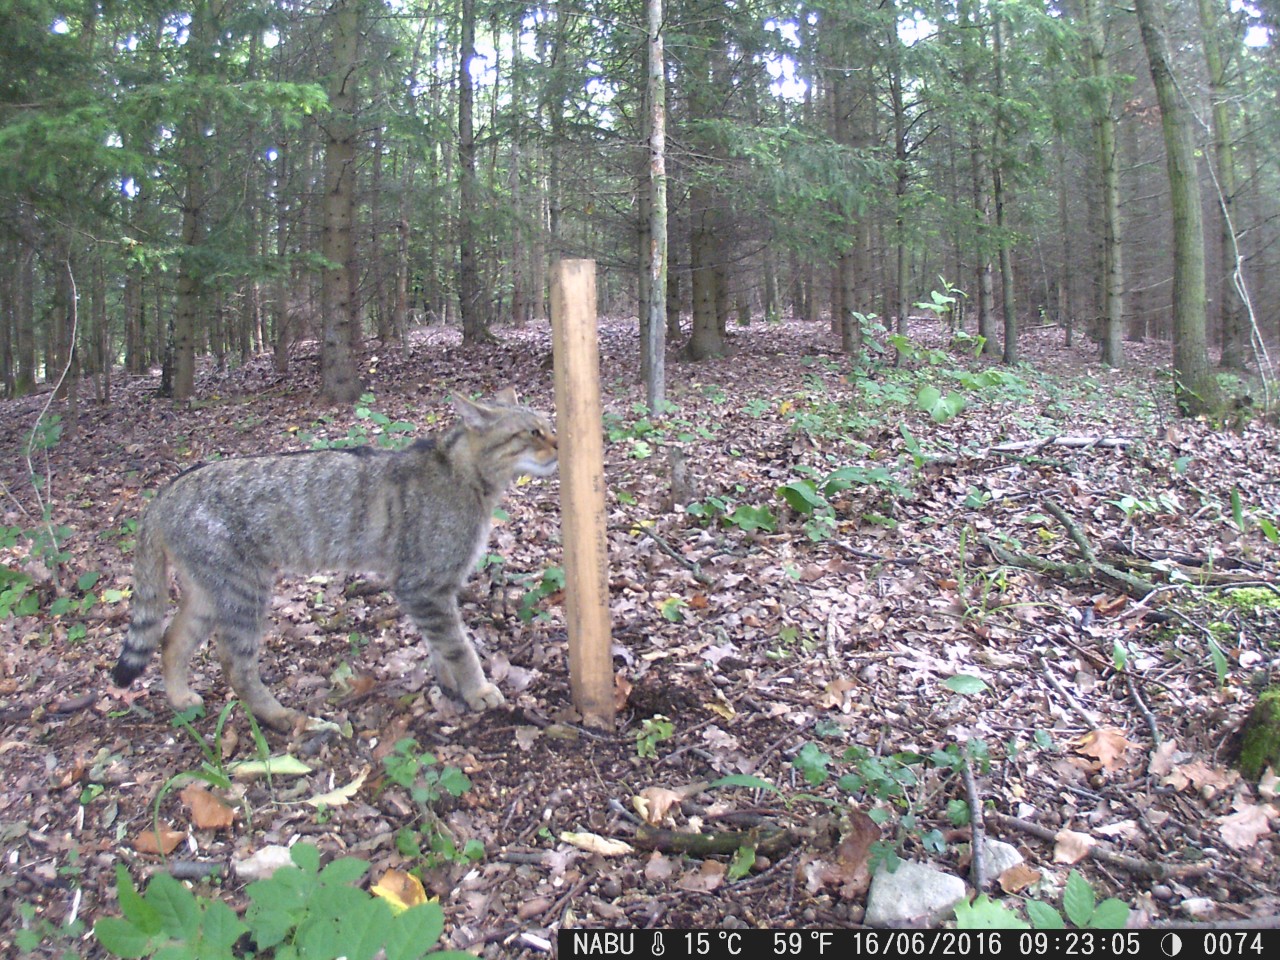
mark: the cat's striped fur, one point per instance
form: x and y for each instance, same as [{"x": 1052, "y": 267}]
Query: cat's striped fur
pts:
[{"x": 418, "y": 517}]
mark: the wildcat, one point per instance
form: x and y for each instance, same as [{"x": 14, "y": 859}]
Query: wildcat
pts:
[{"x": 418, "y": 517}]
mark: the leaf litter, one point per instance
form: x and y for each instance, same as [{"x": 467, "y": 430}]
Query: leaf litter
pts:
[{"x": 772, "y": 638}]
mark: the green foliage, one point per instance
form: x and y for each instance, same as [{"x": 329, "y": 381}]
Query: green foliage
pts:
[
  {"x": 653, "y": 731},
  {"x": 550, "y": 581},
  {"x": 416, "y": 770},
  {"x": 811, "y": 496},
  {"x": 373, "y": 429},
  {"x": 987, "y": 914},
  {"x": 302, "y": 912},
  {"x": 725, "y": 510},
  {"x": 1079, "y": 903}
]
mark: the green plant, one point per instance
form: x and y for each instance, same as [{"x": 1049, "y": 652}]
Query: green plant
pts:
[
  {"x": 1079, "y": 903},
  {"x": 416, "y": 770},
  {"x": 37, "y": 932},
  {"x": 653, "y": 731},
  {"x": 375, "y": 428},
  {"x": 730, "y": 513},
  {"x": 214, "y": 768},
  {"x": 302, "y": 912},
  {"x": 428, "y": 784},
  {"x": 549, "y": 582},
  {"x": 811, "y": 496}
]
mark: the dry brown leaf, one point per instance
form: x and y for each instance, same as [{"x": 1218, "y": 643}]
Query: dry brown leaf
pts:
[
  {"x": 835, "y": 695},
  {"x": 1210, "y": 781},
  {"x": 659, "y": 868},
  {"x": 622, "y": 688},
  {"x": 654, "y": 803},
  {"x": 163, "y": 843},
  {"x": 1071, "y": 846},
  {"x": 1162, "y": 759},
  {"x": 1018, "y": 877},
  {"x": 706, "y": 879},
  {"x": 73, "y": 776},
  {"x": 1106, "y": 746},
  {"x": 1241, "y": 830},
  {"x": 208, "y": 812}
]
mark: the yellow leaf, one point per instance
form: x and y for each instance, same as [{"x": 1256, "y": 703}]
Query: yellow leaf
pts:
[
  {"x": 401, "y": 890},
  {"x": 785, "y": 407},
  {"x": 723, "y": 710},
  {"x": 340, "y": 795}
]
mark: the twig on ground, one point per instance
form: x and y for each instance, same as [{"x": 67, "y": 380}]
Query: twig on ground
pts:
[
  {"x": 1103, "y": 852},
  {"x": 978, "y": 867},
  {"x": 1062, "y": 691}
]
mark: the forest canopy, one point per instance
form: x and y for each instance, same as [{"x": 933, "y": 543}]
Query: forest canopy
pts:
[{"x": 211, "y": 179}]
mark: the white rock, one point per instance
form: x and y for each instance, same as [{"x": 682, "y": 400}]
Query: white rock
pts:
[
  {"x": 998, "y": 856},
  {"x": 913, "y": 894},
  {"x": 263, "y": 863}
]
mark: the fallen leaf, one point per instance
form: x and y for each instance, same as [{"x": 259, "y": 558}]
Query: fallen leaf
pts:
[
  {"x": 706, "y": 879},
  {"x": 835, "y": 695},
  {"x": 280, "y": 766},
  {"x": 1072, "y": 847},
  {"x": 1018, "y": 877},
  {"x": 721, "y": 709},
  {"x": 653, "y": 803},
  {"x": 401, "y": 890},
  {"x": 1210, "y": 781},
  {"x": 1127, "y": 829},
  {"x": 1241, "y": 830},
  {"x": 526, "y": 736},
  {"x": 1162, "y": 759},
  {"x": 848, "y": 871},
  {"x": 339, "y": 796},
  {"x": 208, "y": 812},
  {"x": 594, "y": 843},
  {"x": 162, "y": 842},
  {"x": 659, "y": 868},
  {"x": 1108, "y": 747}
]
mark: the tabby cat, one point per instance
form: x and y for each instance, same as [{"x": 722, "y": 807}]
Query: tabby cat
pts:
[{"x": 418, "y": 517}]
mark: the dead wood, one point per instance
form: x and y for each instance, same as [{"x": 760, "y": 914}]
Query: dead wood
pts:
[{"x": 767, "y": 840}]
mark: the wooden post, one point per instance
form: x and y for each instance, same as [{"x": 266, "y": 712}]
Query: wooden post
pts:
[{"x": 579, "y": 421}]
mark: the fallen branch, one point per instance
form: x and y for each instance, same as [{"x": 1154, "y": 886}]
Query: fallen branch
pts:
[
  {"x": 1078, "y": 443},
  {"x": 767, "y": 840},
  {"x": 1103, "y": 852},
  {"x": 674, "y": 554},
  {"x": 978, "y": 863}
]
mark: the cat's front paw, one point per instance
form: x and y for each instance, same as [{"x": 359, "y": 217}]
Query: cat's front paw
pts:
[{"x": 485, "y": 697}]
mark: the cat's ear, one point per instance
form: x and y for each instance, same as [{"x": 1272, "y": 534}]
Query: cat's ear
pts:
[
  {"x": 508, "y": 396},
  {"x": 474, "y": 415}
]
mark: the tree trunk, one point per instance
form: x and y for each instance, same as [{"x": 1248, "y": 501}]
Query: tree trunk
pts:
[
  {"x": 654, "y": 346},
  {"x": 474, "y": 328},
  {"x": 1104, "y": 128},
  {"x": 1194, "y": 387},
  {"x": 341, "y": 309},
  {"x": 1233, "y": 329},
  {"x": 1008, "y": 305}
]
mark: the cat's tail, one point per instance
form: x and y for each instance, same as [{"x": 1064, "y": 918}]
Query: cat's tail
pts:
[{"x": 150, "y": 601}]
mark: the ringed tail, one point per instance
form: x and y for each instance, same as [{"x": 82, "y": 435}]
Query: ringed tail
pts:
[{"x": 150, "y": 601}]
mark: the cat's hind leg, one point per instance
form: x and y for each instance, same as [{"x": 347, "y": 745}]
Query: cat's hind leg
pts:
[
  {"x": 240, "y": 619},
  {"x": 190, "y": 627}
]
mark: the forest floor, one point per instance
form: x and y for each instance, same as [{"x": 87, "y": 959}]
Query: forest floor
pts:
[{"x": 860, "y": 655}]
